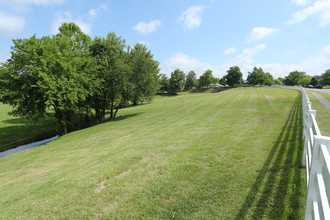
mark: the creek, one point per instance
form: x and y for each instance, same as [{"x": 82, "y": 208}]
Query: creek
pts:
[{"x": 25, "y": 147}]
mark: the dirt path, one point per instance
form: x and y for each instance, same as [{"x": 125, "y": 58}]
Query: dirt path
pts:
[{"x": 323, "y": 100}]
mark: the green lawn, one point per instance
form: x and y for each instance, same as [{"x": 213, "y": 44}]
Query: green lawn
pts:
[
  {"x": 229, "y": 155},
  {"x": 16, "y": 131},
  {"x": 322, "y": 113}
]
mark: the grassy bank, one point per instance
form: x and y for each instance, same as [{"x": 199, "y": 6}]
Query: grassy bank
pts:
[
  {"x": 229, "y": 155},
  {"x": 15, "y": 131},
  {"x": 322, "y": 113}
]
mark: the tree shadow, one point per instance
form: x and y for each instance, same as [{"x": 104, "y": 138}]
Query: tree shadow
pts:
[
  {"x": 269, "y": 193},
  {"x": 210, "y": 90},
  {"x": 123, "y": 117}
]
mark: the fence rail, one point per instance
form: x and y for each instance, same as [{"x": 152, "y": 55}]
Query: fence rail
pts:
[{"x": 317, "y": 161}]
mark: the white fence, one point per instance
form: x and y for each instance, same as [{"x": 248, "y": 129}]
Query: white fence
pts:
[{"x": 317, "y": 161}]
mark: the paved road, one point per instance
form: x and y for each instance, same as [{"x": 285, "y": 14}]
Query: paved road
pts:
[
  {"x": 323, "y": 100},
  {"x": 321, "y": 90}
]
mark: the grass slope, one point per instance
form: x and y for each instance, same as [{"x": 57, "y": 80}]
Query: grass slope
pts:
[
  {"x": 16, "y": 131},
  {"x": 229, "y": 155}
]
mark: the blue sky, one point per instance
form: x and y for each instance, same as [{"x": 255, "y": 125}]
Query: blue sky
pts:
[{"x": 278, "y": 35}]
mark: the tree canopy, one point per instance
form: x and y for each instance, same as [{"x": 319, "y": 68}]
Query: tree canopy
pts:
[
  {"x": 294, "y": 77},
  {"x": 191, "y": 80},
  {"x": 259, "y": 77},
  {"x": 234, "y": 76},
  {"x": 325, "y": 78},
  {"x": 177, "y": 81},
  {"x": 73, "y": 74},
  {"x": 206, "y": 79}
]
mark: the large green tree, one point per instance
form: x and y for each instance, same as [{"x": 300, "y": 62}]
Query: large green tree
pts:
[
  {"x": 325, "y": 78},
  {"x": 52, "y": 71},
  {"x": 294, "y": 77},
  {"x": 112, "y": 71},
  {"x": 191, "y": 80},
  {"x": 259, "y": 77},
  {"x": 177, "y": 81},
  {"x": 206, "y": 79},
  {"x": 234, "y": 76},
  {"x": 144, "y": 74}
]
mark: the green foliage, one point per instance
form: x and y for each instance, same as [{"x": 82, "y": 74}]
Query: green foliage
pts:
[
  {"x": 305, "y": 81},
  {"x": 206, "y": 79},
  {"x": 234, "y": 76},
  {"x": 325, "y": 78},
  {"x": 279, "y": 81},
  {"x": 293, "y": 78},
  {"x": 73, "y": 74},
  {"x": 112, "y": 72},
  {"x": 223, "y": 80},
  {"x": 177, "y": 81},
  {"x": 259, "y": 77},
  {"x": 314, "y": 81},
  {"x": 144, "y": 73},
  {"x": 164, "y": 83},
  {"x": 191, "y": 80}
]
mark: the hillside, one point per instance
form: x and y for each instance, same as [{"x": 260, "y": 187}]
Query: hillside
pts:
[{"x": 233, "y": 154}]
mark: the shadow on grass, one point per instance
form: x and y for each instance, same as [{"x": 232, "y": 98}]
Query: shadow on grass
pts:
[
  {"x": 210, "y": 90},
  {"x": 277, "y": 190}
]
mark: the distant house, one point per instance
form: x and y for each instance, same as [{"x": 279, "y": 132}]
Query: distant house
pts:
[{"x": 215, "y": 85}]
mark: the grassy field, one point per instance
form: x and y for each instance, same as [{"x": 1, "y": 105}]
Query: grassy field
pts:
[
  {"x": 16, "y": 131},
  {"x": 322, "y": 113},
  {"x": 229, "y": 155}
]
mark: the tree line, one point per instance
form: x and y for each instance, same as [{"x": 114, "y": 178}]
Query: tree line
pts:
[
  {"x": 234, "y": 77},
  {"x": 76, "y": 75},
  {"x": 300, "y": 78}
]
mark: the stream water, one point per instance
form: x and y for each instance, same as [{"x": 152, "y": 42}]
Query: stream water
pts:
[{"x": 25, "y": 147}]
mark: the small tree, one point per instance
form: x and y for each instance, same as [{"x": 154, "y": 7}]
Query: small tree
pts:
[
  {"x": 314, "y": 81},
  {"x": 234, "y": 76},
  {"x": 279, "y": 81},
  {"x": 305, "y": 81},
  {"x": 177, "y": 81},
  {"x": 325, "y": 78},
  {"x": 206, "y": 79},
  {"x": 294, "y": 77},
  {"x": 164, "y": 83},
  {"x": 191, "y": 80},
  {"x": 223, "y": 80},
  {"x": 259, "y": 77}
]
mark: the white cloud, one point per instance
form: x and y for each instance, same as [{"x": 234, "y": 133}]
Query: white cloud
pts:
[
  {"x": 147, "y": 28},
  {"x": 247, "y": 55},
  {"x": 320, "y": 8},
  {"x": 300, "y": 2},
  {"x": 191, "y": 18},
  {"x": 229, "y": 51},
  {"x": 184, "y": 62},
  {"x": 259, "y": 33},
  {"x": 84, "y": 22},
  {"x": 146, "y": 43},
  {"x": 67, "y": 16},
  {"x": 93, "y": 13},
  {"x": 325, "y": 18},
  {"x": 24, "y": 5},
  {"x": 32, "y": 2},
  {"x": 315, "y": 65},
  {"x": 10, "y": 24}
]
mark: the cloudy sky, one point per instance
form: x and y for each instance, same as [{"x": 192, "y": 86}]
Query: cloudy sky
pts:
[{"x": 279, "y": 35}]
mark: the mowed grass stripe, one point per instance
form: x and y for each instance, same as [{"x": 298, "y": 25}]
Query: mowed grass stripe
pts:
[{"x": 233, "y": 154}]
